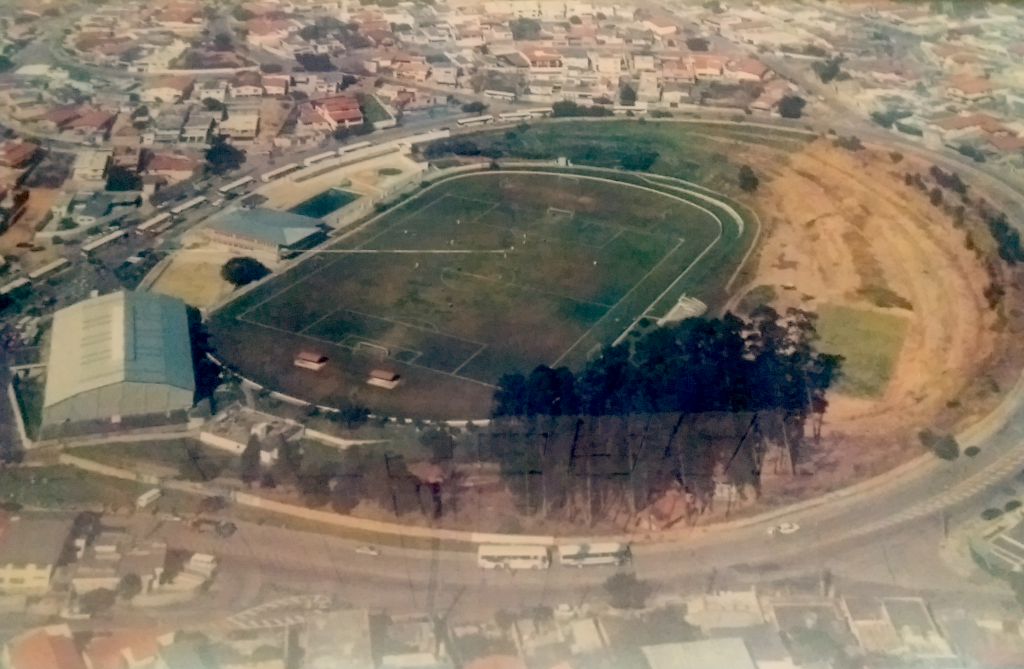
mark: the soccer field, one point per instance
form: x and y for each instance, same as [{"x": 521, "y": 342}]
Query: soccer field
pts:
[{"x": 480, "y": 275}]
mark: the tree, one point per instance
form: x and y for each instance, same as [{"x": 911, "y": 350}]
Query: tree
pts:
[
  {"x": 130, "y": 587},
  {"x": 828, "y": 70},
  {"x": 639, "y": 161},
  {"x": 348, "y": 80},
  {"x": 243, "y": 271},
  {"x": 748, "y": 180},
  {"x": 223, "y": 157},
  {"x": 524, "y": 29},
  {"x": 627, "y": 96},
  {"x": 439, "y": 443},
  {"x": 791, "y": 106},
  {"x": 242, "y": 14},
  {"x": 122, "y": 179},
  {"x": 474, "y": 107},
  {"x": 251, "y": 469},
  {"x": 96, "y": 601},
  {"x": 213, "y": 105},
  {"x": 935, "y": 197},
  {"x": 271, "y": 68},
  {"x": 943, "y": 445},
  {"x": 626, "y": 591},
  {"x": 315, "y": 62},
  {"x": 697, "y": 44},
  {"x": 140, "y": 112},
  {"x": 222, "y": 42}
]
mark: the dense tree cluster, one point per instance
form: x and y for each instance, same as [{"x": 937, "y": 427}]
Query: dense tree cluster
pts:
[
  {"x": 524, "y": 29},
  {"x": 748, "y": 181},
  {"x": 687, "y": 403},
  {"x": 566, "y": 108},
  {"x": 243, "y": 270},
  {"x": 791, "y": 106}
]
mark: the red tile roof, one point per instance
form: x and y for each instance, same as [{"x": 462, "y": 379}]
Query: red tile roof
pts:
[
  {"x": 340, "y": 108},
  {"x": 95, "y": 120},
  {"x": 164, "y": 162},
  {"x": 40, "y": 650}
]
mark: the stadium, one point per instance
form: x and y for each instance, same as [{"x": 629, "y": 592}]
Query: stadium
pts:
[{"x": 480, "y": 274}]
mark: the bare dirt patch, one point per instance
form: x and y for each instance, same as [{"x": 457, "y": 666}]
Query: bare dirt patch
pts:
[
  {"x": 841, "y": 228},
  {"x": 194, "y": 276}
]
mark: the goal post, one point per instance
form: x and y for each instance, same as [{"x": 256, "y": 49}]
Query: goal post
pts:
[
  {"x": 555, "y": 211},
  {"x": 370, "y": 348}
]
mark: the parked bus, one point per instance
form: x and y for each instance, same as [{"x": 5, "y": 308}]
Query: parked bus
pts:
[
  {"x": 313, "y": 160},
  {"x": 514, "y": 116},
  {"x": 106, "y": 239},
  {"x": 234, "y": 185},
  {"x": 46, "y": 269},
  {"x": 149, "y": 224},
  {"x": 349, "y": 148},
  {"x": 499, "y": 556},
  {"x": 540, "y": 112},
  {"x": 476, "y": 120},
  {"x": 185, "y": 206},
  {"x": 148, "y": 497},
  {"x": 587, "y": 555},
  {"x": 279, "y": 172}
]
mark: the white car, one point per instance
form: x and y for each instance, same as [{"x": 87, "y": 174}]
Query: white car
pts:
[
  {"x": 784, "y": 528},
  {"x": 368, "y": 550}
]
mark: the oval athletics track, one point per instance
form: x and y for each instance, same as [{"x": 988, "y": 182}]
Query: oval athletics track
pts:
[{"x": 594, "y": 278}]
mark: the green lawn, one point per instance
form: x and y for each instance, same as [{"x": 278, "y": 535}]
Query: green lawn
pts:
[
  {"x": 193, "y": 460},
  {"x": 62, "y": 487},
  {"x": 869, "y": 342},
  {"x": 372, "y": 110},
  {"x": 30, "y": 402}
]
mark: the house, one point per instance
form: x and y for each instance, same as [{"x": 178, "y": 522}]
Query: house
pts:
[
  {"x": 91, "y": 165},
  {"x": 643, "y": 62},
  {"x": 212, "y": 89},
  {"x": 15, "y": 153},
  {"x": 970, "y": 89},
  {"x": 662, "y": 25},
  {"x": 746, "y": 69},
  {"x": 674, "y": 93},
  {"x": 263, "y": 33},
  {"x": 242, "y": 123},
  {"x": 709, "y": 66},
  {"x": 606, "y": 64},
  {"x": 173, "y": 88},
  {"x": 576, "y": 59},
  {"x": 126, "y": 648},
  {"x": 341, "y": 109},
  {"x": 275, "y": 85},
  {"x": 727, "y": 653},
  {"x": 168, "y": 125},
  {"x": 92, "y": 124},
  {"x": 30, "y": 548},
  {"x": 109, "y": 559},
  {"x": 59, "y": 118},
  {"x": 647, "y": 90},
  {"x": 50, "y": 647},
  {"x": 412, "y": 71},
  {"x": 173, "y": 167},
  {"x": 199, "y": 125},
  {"x": 246, "y": 85}
]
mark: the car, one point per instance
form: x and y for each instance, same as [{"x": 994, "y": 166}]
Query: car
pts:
[
  {"x": 368, "y": 550},
  {"x": 784, "y": 528}
]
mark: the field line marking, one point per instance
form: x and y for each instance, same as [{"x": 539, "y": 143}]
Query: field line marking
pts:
[
  {"x": 333, "y": 262},
  {"x": 408, "y": 325},
  {"x": 601, "y": 247},
  {"x": 644, "y": 278},
  {"x": 333, "y": 343},
  {"x": 525, "y": 287},
  {"x": 436, "y": 251},
  {"x": 618, "y": 340},
  {"x": 466, "y": 361}
]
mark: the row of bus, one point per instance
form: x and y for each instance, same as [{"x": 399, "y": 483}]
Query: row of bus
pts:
[
  {"x": 499, "y": 556},
  {"x": 507, "y": 117}
]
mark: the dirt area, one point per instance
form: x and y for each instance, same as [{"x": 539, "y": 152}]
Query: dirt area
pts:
[
  {"x": 273, "y": 114},
  {"x": 23, "y": 231},
  {"x": 194, "y": 276},
  {"x": 841, "y": 228},
  {"x": 363, "y": 178}
]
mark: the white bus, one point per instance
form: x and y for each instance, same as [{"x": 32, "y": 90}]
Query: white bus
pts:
[
  {"x": 499, "y": 556},
  {"x": 514, "y": 116},
  {"x": 13, "y": 286},
  {"x": 185, "y": 206},
  {"x": 105, "y": 239},
  {"x": 234, "y": 185},
  {"x": 540, "y": 112},
  {"x": 279, "y": 172},
  {"x": 476, "y": 120},
  {"x": 148, "y": 497},
  {"x": 349, "y": 148},
  {"x": 156, "y": 220},
  {"x": 586, "y": 555},
  {"x": 313, "y": 160},
  {"x": 46, "y": 269}
]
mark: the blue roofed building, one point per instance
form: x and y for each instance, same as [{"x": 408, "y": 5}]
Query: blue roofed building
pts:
[
  {"x": 118, "y": 358},
  {"x": 265, "y": 230}
]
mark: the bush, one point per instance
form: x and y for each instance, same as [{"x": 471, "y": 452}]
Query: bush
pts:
[
  {"x": 748, "y": 180},
  {"x": 971, "y": 451},
  {"x": 474, "y": 107},
  {"x": 242, "y": 271},
  {"x": 895, "y": 156},
  {"x": 270, "y": 68},
  {"x": 991, "y": 514},
  {"x": 697, "y": 44},
  {"x": 626, "y": 591},
  {"x": 639, "y": 161},
  {"x": 851, "y": 143},
  {"x": 942, "y": 445},
  {"x": 67, "y": 223},
  {"x": 58, "y": 239},
  {"x": 791, "y": 106},
  {"x": 1012, "y": 505}
]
